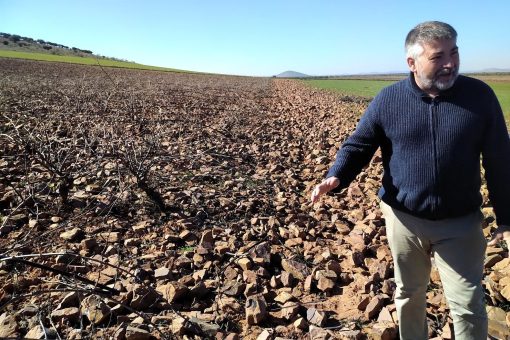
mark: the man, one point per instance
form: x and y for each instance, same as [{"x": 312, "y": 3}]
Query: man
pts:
[{"x": 432, "y": 129}]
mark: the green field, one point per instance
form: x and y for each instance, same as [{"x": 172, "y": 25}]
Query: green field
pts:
[
  {"x": 81, "y": 60},
  {"x": 369, "y": 88}
]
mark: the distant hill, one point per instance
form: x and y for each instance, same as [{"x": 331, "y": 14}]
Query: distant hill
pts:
[
  {"x": 16, "y": 46},
  {"x": 496, "y": 70},
  {"x": 14, "y": 42},
  {"x": 291, "y": 74}
]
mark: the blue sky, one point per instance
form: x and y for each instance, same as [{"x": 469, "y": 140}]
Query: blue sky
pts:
[{"x": 262, "y": 38}]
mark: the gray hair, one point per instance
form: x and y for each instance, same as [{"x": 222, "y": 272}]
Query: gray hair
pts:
[{"x": 425, "y": 32}]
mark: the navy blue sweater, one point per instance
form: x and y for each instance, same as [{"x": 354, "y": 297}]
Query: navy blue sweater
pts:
[{"x": 431, "y": 149}]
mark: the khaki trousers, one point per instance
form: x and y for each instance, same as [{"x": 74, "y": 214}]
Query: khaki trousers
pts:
[{"x": 458, "y": 247}]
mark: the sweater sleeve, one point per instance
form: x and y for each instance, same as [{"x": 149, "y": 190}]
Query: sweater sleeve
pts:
[
  {"x": 496, "y": 162},
  {"x": 358, "y": 149}
]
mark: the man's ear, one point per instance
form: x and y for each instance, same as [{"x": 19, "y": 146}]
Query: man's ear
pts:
[{"x": 411, "y": 63}]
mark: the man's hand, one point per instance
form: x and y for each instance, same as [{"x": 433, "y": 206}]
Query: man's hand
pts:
[
  {"x": 326, "y": 186},
  {"x": 501, "y": 234}
]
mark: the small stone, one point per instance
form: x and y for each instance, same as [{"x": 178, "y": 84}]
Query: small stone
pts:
[
  {"x": 373, "y": 307},
  {"x": 283, "y": 297},
  {"x": 289, "y": 310},
  {"x": 233, "y": 288},
  {"x": 71, "y": 314},
  {"x": 286, "y": 279},
  {"x": 109, "y": 237},
  {"x": 266, "y": 334},
  {"x": 317, "y": 333},
  {"x": 135, "y": 333},
  {"x": 307, "y": 286},
  {"x": 384, "y": 315},
  {"x": 37, "y": 332},
  {"x": 143, "y": 297},
  {"x": 315, "y": 317},
  {"x": 8, "y": 326},
  {"x": 72, "y": 235},
  {"x": 299, "y": 270},
  {"x": 172, "y": 291},
  {"x": 95, "y": 309},
  {"x": 88, "y": 244},
  {"x": 334, "y": 266},
  {"x": 162, "y": 273},
  {"x": 491, "y": 260},
  {"x": 300, "y": 323},
  {"x": 255, "y": 310},
  {"x": 244, "y": 263}
]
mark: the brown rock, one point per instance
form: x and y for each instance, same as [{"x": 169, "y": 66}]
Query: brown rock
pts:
[
  {"x": 178, "y": 325},
  {"x": 373, "y": 307},
  {"x": 255, "y": 310},
  {"x": 72, "y": 235},
  {"x": 172, "y": 291},
  {"x": 308, "y": 283},
  {"x": 362, "y": 305},
  {"x": 88, "y": 244},
  {"x": 289, "y": 310},
  {"x": 300, "y": 323},
  {"x": 334, "y": 266},
  {"x": 109, "y": 237},
  {"x": 37, "y": 332},
  {"x": 232, "y": 336},
  {"x": 498, "y": 327},
  {"x": 134, "y": 333},
  {"x": 315, "y": 317},
  {"x": 233, "y": 288},
  {"x": 286, "y": 279},
  {"x": 491, "y": 260},
  {"x": 143, "y": 297},
  {"x": 207, "y": 239},
  {"x": 383, "y": 252},
  {"x": 275, "y": 281},
  {"x": 262, "y": 250},
  {"x": 299, "y": 270},
  {"x": 283, "y": 297},
  {"x": 71, "y": 314},
  {"x": 293, "y": 242},
  {"x": 70, "y": 300},
  {"x": 8, "y": 326},
  {"x": 325, "y": 284},
  {"x": 317, "y": 333},
  {"x": 383, "y": 331},
  {"x": 385, "y": 315},
  {"x": 382, "y": 269},
  {"x": 249, "y": 276},
  {"x": 95, "y": 309},
  {"x": 162, "y": 273},
  {"x": 227, "y": 304},
  {"x": 266, "y": 334},
  {"x": 244, "y": 263}
]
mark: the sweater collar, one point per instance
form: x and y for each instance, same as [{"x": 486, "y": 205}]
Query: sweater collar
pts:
[{"x": 411, "y": 84}]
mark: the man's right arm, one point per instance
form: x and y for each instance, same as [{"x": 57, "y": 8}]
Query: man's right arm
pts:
[{"x": 353, "y": 155}]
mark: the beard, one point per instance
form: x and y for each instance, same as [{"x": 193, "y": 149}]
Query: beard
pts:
[{"x": 436, "y": 82}]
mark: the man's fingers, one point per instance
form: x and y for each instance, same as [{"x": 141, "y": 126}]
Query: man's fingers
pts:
[
  {"x": 326, "y": 186},
  {"x": 316, "y": 193},
  {"x": 493, "y": 242}
]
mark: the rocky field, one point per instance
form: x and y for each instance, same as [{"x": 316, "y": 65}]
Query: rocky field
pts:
[{"x": 146, "y": 205}]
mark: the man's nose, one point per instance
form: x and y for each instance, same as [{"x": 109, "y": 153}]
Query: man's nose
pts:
[{"x": 449, "y": 62}]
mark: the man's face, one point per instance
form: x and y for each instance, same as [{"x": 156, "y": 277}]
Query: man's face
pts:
[{"x": 437, "y": 68}]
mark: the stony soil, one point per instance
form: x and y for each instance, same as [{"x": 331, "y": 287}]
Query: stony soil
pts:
[{"x": 139, "y": 205}]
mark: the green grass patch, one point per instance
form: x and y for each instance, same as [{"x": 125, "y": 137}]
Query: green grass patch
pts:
[
  {"x": 351, "y": 87},
  {"x": 370, "y": 88},
  {"x": 82, "y": 60},
  {"x": 502, "y": 90}
]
